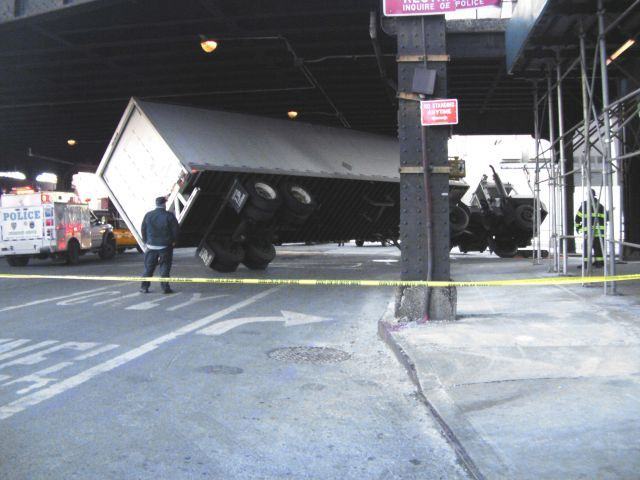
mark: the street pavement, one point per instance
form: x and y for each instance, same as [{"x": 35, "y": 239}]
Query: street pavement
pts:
[
  {"x": 98, "y": 381},
  {"x": 535, "y": 382}
]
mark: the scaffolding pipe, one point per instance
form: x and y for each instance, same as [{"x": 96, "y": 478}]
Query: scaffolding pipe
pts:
[
  {"x": 563, "y": 167},
  {"x": 537, "y": 255},
  {"x": 609, "y": 256},
  {"x": 574, "y": 63},
  {"x": 587, "y": 242},
  {"x": 553, "y": 241}
]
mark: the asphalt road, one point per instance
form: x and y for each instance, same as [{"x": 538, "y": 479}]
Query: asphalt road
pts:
[{"x": 98, "y": 381}]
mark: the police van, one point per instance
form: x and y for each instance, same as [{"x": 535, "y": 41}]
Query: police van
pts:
[{"x": 51, "y": 225}]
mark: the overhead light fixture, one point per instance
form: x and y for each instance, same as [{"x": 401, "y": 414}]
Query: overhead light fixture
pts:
[
  {"x": 292, "y": 114},
  {"x": 47, "y": 177},
  {"x": 14, "y": 175},
  {"x": 208, "y": 44},
  {"x": 71, "y": 142},
  {"x": 625, "y": 46}
]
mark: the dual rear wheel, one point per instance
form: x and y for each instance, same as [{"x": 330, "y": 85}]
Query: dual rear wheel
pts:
[{"x": 228, "y": 255}]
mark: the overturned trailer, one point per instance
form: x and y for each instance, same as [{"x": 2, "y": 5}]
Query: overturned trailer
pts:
[{"x": 240, "y": 183}]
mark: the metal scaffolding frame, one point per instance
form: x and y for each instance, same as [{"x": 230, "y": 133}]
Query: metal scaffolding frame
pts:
[{"x": 601, "y": 117}]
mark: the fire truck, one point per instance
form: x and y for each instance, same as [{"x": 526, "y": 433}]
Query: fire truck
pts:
[{"x": 51, "y": 225}]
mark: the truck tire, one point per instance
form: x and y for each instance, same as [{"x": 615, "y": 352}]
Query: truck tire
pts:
[
  {"x": 458, "y": 219},
  {"x": 263, "y": 196},
  {"x": 226, "y": 255},
  {"x": 224, "y": 267},
  {"x": 73, "y": 252},
  {"x": 108, "y": 248},
  {"x": 297, "y": 199},
  {"x": 257, "y": 255},
  {"x": 18, "y": 261},
  {"x": 523, "y": 217},
  {"x": 505, "y": 249}
]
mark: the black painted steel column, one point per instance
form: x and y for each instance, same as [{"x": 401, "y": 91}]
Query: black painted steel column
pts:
[
  {"x": 418, "y": 36},
  {"x": 631, "y": 173}
]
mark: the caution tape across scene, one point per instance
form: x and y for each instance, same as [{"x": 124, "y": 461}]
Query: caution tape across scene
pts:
[{"x": 522, "y": 282}]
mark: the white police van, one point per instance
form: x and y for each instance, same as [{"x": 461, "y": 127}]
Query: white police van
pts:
[{"x": 50, "y": 224}]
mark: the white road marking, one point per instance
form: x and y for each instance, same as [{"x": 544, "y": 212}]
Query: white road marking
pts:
[
  {"x": 53, "y": 299},
  {"x": 42, "y": 354},
  {"x": 86, "y": 298},
  {"x": 3, "y": 340},
  {"x": 289, "y": 318},
  {"x": 151, "y": 303},
  {"x": 97, "y": 351},
  {"x": 195, "y": 298},
  {"x": 117, "y": 299},
  {"x": 35, "y": 398},
  {"x": 20, "y": 351},
  {"x": 11, "y": 345},
  {"x": 38, "y": 379}
]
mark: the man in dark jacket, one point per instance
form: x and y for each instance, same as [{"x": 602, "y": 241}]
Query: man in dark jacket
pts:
[
  {"x": 598, "y": 219},
  {"x": 159, "y": 233}
]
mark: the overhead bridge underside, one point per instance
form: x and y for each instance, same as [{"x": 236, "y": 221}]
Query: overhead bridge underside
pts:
[{"x": 68, "y": 69}]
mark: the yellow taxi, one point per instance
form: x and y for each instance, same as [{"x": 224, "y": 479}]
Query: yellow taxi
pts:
[{"x": 124, "y": 238}]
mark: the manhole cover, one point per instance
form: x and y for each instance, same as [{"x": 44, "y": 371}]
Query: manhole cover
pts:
[{"x": 309, "y": 355}]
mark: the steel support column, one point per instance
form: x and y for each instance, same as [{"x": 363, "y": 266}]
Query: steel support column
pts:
[
  {"x": 564, "y": 223},
  {"x": 537, "y": 252},
  {"x": 631, "y": 175},
  {"x": 587, "y": 243},
  {"x": 553, "y": 179},
  {"x": 607, "y": 170},
  {"x": 422, "y": 36}
]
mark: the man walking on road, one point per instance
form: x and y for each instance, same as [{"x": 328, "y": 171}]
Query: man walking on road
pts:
[{"x": 159, "y": 233}]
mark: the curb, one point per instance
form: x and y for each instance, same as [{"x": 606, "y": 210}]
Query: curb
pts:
[{"x": 385, "y": 332}]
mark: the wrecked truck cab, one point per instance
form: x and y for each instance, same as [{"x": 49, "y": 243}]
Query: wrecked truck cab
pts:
[{"x": 501, "y": 220}]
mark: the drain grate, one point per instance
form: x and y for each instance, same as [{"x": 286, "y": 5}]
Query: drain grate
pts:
[{"x": 309, "y": 355}]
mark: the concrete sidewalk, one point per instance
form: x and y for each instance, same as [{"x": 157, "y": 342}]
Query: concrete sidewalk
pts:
[{"x": 539, "y": 383}]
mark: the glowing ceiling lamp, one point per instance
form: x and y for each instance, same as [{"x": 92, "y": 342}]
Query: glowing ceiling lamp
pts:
[
  {"x": 71, "y": 142},
  {"x": 208, "y": 44},
  {"x": 625, "y": 46},
  {"x": 47, "y": 177},
  {"x": 14, "y": 175}
]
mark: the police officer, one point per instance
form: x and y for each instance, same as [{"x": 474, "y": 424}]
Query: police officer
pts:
[
  {"x": 598, "y": 219},
  {"x": 159, "y": 233}
]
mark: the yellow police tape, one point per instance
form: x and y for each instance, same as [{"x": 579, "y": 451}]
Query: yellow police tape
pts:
[{"x": 519, "y": 282}]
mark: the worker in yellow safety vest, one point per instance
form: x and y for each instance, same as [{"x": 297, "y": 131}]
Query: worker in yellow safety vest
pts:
[{"x": 598, "y": 219}]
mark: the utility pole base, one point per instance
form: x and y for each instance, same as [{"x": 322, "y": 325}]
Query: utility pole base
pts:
[{"x": 411, "y": 304}]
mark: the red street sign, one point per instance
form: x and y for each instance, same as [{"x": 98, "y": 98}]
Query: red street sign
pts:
[
  {"x": 400, "y": 8},
  {"x": 439, "y": 112}
]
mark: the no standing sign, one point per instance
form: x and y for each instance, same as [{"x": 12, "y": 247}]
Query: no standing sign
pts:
[{"x": 439, "y": 112}]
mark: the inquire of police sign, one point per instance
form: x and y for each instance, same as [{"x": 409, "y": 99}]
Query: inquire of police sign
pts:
[{"x": 402, "y": 8}]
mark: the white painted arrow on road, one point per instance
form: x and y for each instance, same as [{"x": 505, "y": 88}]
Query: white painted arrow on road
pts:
[{"x": 289, "y": 319}]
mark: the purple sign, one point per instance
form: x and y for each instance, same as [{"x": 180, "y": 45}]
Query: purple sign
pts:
[{"x": 400, "y": 8}]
